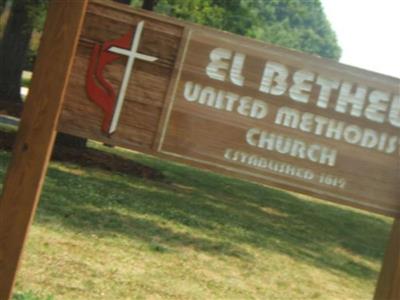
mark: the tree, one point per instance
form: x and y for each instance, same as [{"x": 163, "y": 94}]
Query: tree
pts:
[
  {"x": 13, "y": 49},
  {"x": 149, "y": 4},
  {"x": 296, "y": 24},
  {"x": 2, "y": 5},
  {"x": 123, "y": 1}
]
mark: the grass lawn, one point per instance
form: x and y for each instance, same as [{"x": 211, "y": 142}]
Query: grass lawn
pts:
[{"x": 196, "y": 235}]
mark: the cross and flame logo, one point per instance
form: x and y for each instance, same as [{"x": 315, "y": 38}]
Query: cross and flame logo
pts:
[{"x": 99, "y": 90}]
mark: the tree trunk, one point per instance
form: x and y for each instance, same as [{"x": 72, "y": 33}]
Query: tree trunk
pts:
[
  {"x": 13, "y": 51},
  {"x": 149, "y": 4},
  {"x": 2, "y": 6},
  {"x": 123, "y": 1}
]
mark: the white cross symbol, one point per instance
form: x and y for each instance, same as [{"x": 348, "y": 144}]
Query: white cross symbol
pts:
[{"x": 131, "y": 54}]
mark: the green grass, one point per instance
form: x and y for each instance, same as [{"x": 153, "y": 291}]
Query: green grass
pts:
[
  {"x": 30, "y": 296},
  {"x": 196, "y": 235}
]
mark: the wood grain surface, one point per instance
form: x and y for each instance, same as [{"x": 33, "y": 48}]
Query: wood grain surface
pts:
[
  {"x": 388, "y": 287},
  {"x": 157, "y": 118},
  {"x": 35, "y": 138}
]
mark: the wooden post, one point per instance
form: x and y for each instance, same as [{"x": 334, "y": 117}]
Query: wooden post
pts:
[
  {"x": 388, "y": 287},
  {"x": 36, "y": 135}
]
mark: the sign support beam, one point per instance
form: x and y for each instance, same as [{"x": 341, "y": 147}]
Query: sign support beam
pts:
[
  {"x": 388, "y": 286},
  {"x": 36, "y": 135}
]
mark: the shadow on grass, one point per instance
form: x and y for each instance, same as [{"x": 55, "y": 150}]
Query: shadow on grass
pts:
[{"x": 211, "y": 213}]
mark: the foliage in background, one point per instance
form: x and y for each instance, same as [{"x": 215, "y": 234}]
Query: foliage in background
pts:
[
  {"x": 24, "y": 17},
  {"x": 296, "y": 24},
  {"x": 2, "y": 5},
  {"x": 37, "y": 12}
]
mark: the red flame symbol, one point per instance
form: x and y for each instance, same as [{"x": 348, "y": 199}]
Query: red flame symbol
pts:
[{"x": 99, "y": 90}]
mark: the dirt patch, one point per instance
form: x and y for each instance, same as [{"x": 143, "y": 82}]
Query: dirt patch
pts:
[{"x": 88, "y": 157}]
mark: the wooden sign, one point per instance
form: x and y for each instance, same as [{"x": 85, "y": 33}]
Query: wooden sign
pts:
[
  {"x": 236, "y": 106},
  {"x": 210, "y": 99}
]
